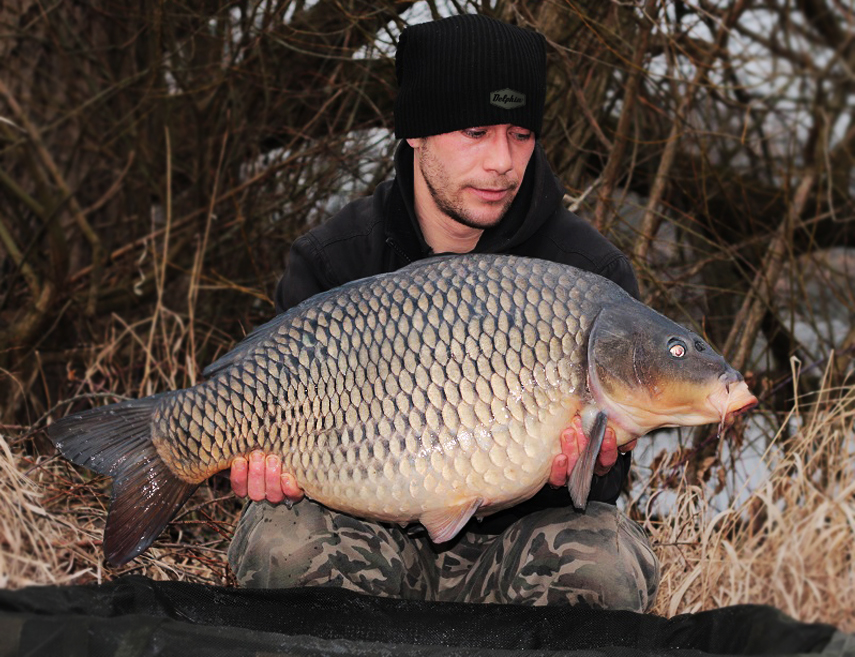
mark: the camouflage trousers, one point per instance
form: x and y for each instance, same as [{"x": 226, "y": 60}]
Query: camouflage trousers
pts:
[{"x": 555, "y": 556}]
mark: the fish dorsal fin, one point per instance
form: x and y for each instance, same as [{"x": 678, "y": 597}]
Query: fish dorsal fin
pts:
[
  {"x": 250, "y": 342},
  {"x": 444, "y": 524}
]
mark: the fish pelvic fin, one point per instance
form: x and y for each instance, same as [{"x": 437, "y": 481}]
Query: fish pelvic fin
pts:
[
  {"x": 444, "y": 524},
  {"x": 579, "y": 483},
  {"x": 116, "y": 441}
]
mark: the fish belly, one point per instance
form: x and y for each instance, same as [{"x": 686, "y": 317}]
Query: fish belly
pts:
[{"x": 399, "y": 478}]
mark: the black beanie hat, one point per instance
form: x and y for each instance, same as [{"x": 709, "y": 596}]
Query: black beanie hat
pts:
[{"x": 468, "y": 71}]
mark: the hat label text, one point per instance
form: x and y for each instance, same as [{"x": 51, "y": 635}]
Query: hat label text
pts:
[{"x": 507, "y": 98}]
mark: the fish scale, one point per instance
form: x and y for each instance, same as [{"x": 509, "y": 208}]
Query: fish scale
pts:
[
  {"x": 433, "y": 405},
  {"x": 433, "y": 393}
]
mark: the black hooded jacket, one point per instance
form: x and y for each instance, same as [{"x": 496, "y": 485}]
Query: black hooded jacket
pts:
[{"x": 380, "y": 233}]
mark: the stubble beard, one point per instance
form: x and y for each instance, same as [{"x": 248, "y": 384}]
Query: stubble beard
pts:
[{"x": 438, "y": 185}]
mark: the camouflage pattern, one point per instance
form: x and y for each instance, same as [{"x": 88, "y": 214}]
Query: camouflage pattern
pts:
[{"x": 555, "y": 556}]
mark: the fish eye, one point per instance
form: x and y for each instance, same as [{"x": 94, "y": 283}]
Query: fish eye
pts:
[{"x": 677, "y": 348}]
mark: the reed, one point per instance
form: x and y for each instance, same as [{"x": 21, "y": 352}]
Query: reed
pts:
[{"x": 787, "y": 542}]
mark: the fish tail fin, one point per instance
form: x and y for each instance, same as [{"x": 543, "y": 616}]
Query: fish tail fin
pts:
[
  {"x": 116, "y": 440},
  {"x": 583, "y": 472}
]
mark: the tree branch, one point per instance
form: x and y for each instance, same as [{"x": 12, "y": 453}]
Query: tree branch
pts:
[
  {"x": 49, "y": 164},
  {"x": 652, "y": 217}
]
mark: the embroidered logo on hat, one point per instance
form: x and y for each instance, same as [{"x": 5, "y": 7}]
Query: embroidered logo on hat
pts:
[{"x": 507, "y": 98}]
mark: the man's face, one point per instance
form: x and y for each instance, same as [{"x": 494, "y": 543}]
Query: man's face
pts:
[{"x": 473, "y": 175}]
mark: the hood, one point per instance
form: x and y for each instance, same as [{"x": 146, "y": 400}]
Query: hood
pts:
[{"x": 540, "y": 195}]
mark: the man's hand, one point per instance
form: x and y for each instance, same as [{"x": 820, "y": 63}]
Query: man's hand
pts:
[
  {"x": 261, "y": 478},
  {"x": 573, "y": 442}
]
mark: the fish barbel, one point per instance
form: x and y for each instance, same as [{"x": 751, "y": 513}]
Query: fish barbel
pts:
[{"x": 433, "y": 393}]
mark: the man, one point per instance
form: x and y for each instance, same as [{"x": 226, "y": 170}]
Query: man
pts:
[{"x": 470, "y": 177}]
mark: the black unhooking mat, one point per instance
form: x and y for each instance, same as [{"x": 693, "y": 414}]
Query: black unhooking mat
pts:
[{"x": 135, "y": 616}]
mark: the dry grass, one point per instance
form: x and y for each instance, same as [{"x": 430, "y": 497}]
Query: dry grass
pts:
[
  {"x": 52, "y": 513},
  {"x": 789, "y": 544},
  {"x": 52, "y": 517}
]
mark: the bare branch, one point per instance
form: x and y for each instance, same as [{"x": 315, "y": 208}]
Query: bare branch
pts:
[
  {"x": 652, "y": 217},
  {"x": 49, "y": 164}
]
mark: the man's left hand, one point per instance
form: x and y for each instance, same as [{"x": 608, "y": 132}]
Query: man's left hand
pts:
[{"x": 573, "y": 442}]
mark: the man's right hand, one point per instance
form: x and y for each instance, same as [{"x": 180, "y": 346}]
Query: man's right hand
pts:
[{"x": 261, "y": 478}]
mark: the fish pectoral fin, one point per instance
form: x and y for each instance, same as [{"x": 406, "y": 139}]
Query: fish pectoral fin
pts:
[
  {"x": 583, "y": 472},
  {"x": 444, "y": 524}
]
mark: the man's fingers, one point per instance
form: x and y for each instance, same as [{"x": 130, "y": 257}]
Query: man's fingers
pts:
[
  {"x": 272, "y": 479},
  {"x": 558, "y": 474},
  {"x": 238, "y": 475},
  {"x": 256, "y": 483},
  {"x": 572, "y": 443},
  {"x": 260, "y": 477},
  {"x": 608, "y": 453},
  {"x": 292, "y": 492}
]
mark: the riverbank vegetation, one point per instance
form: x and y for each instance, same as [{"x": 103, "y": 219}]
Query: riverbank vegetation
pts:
[{"x": 156, "y": 163}]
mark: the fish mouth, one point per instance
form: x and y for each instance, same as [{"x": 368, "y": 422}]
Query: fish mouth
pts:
[{"x": 732, "y": 397}]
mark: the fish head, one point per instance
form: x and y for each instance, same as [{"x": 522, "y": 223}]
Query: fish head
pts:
[{"x": 648, "y": 372}]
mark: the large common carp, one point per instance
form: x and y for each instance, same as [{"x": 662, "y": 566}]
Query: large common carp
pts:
[{"x": 434, "y": 393}]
